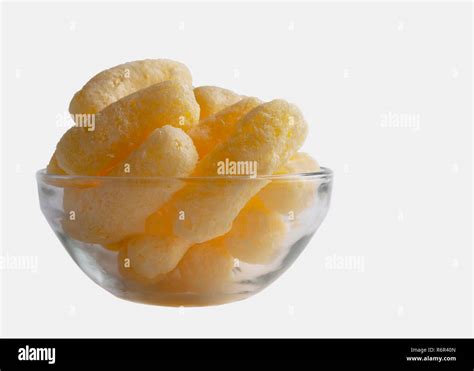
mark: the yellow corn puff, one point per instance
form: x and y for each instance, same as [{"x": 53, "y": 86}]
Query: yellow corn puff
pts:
[
  {"x": 53, "y": 167},
  {"x": 150, "y": 257},
  {"x": 205, "y": 268},
  {"x": 264, "y": 139},
  {"x": 256, "y": 235},
  {"x": 124, "y": 125},
  {"x": 293, "y": 195},
  {"x": 117, "y": 82},
  {"x": 115, "y": 209},
  {"x": 216, "y": 128},
  {"x": 213, "y": 99}
]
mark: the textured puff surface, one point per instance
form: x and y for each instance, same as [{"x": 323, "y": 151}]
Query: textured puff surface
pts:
[
  {"x": 217, "y": 128},
  {"x": 256, "y": 235},
  {"x": 268, "y": 135},
  {"x": 213, "y": 99},
  {"x": 116, "y": 209},
  {"x": 168, "y": 151},
  {"x": 124, "y": 125},
  {"x": 151, "y": 257},
  {"x": 205, "y": 268},
  {"x": 117, "y": 82},
  {"x": 292, "y": 196}
]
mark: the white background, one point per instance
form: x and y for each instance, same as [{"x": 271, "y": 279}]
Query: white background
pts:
[{"x": 402, "y": 199}]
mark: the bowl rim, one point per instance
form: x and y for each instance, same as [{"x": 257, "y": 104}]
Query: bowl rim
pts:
[{"x": 323, "y": 173}]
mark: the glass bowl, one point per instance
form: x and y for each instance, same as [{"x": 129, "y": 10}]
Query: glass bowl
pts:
[{"x": 122, "y": 235}]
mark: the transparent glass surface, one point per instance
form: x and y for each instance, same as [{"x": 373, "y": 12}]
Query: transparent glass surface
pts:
[{"x": 95, "y": 218}]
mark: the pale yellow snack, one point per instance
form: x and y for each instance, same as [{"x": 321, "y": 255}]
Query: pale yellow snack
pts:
[
  {"x": 256, "y": 235},
  {"x": 115, "y": 209},
  {"x": 53, "y": 167},
  {"x": 167, "y": 152},
  {"x": 161, "y": 222},
  {"x": 213, "y": 99},
  {"x": 299, "y": 163},
  {"x": 160, "y": 226},
  {"x": 180, "y": 235},
  {"x": 217, "y": 128},
  {"x": 117, "y": 82},
  {"x": 205, "y": 209},
  {"x": 151, "y": 257},
  {"x": 124, "y": 125},
  {"x": 267, "y": 136},
  {"x": 291, "y": 196},
  {"x": 205, "y": 268}
]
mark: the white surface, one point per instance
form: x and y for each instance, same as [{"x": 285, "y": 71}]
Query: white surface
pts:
[{"x": 402, "y": 199}]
